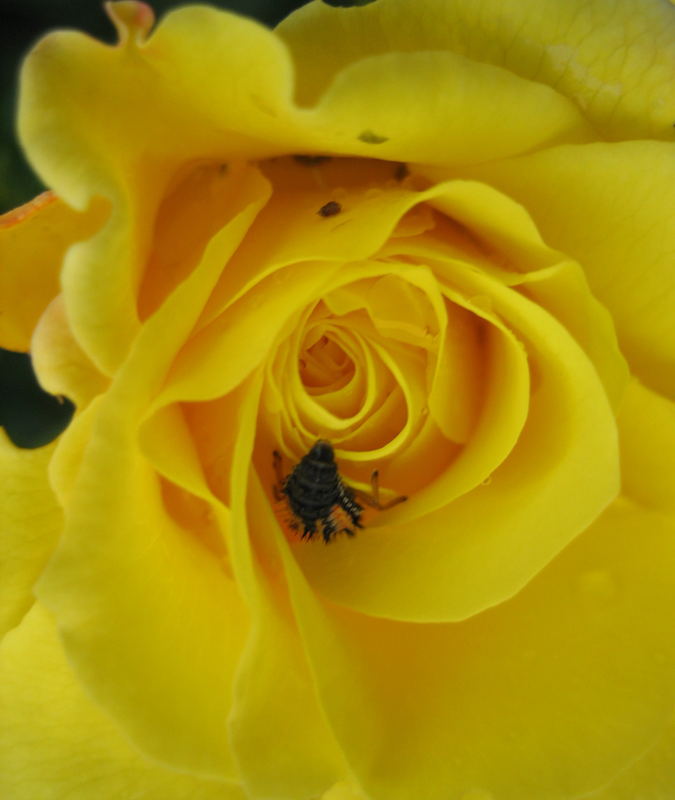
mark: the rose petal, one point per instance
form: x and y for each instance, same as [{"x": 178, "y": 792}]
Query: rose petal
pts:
[
  {"x": 57, "y": 743},
  {"x": 650, "y": 777},
  {"x": 275, "y": 696},
  {"x": 407, "y": 106},
  {"x": 342, "y": 791},
  {"x": 59, "y": 362},
  {"x": 141, "y": 603},
  {"x": 272, "y": 683},
  {"x": 561, "y": 686},
  {"x": 647, "y": 435},
  {"x": 610, "y": 207},
  {"x": 615, "y": 61},
  {"x": 405, "y": 304},
  {"x": 88, "y": 135},
  {"x": 31, "y": 520},
  {"x": 285, "y": 262},
  {"x": 33, "y": 241},
  {"x": 519, "y": 257}
]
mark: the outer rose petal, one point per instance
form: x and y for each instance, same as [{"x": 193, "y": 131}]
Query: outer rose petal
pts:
[
  {"x": 611, "y": 208},
  {"x": 33, "y": 240},
  {"x": 57, "y": 743},
  {"x": 647, "y": 438},
  {"x": 561, "y": 686},
  {"x": 406, "y": 106},
  {"x": 30, "y": 522},
  {"x": 144, "y": 606},
  {"x": 58, "y": 360},
  {"x": 89, "y": 135},
  {"x": 126, "y": 562},
  {"x": 342, "y": 791},
  {"x": 615, "y": 59},
  {"x": 650, "y": 777}
]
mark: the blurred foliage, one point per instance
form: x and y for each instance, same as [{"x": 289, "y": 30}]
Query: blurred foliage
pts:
[{"x": 30, "y": 416}]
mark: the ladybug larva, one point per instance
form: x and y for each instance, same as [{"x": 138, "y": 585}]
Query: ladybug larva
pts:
[{"x": 315, "y": 492}]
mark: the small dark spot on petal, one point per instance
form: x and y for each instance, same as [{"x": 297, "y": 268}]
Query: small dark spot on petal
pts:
[
  {"x": 372, "y": 138},
  {"x": 330, "y": 209},
  {"x": 310, "y": 161},
  {"x": 401, "y": 172}
]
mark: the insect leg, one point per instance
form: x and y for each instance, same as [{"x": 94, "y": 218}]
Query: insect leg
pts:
[
  {"x": 276, "y": 463},
  {"x": 373, "y": 499},
  {"x": 329, "y": 529},
  {"x": 277, "y": 489},
  {"x": 309, "y": 531}
]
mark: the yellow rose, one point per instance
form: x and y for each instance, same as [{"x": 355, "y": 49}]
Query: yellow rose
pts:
[{"x": 473, "y": 295}]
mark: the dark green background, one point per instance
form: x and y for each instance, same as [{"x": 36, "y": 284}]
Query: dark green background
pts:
[{"x": 30, "y": 416}]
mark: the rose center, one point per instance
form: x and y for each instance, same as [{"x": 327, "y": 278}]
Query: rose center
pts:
[{"x": 325, "y": 365}]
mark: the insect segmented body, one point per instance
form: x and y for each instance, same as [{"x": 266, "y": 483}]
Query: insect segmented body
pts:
[{"x": 315, "y": 493}]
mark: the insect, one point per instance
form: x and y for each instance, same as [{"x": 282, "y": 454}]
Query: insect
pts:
[
  {"x": 315, "y": 491},
  {"x": 330, "y": 209}
]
